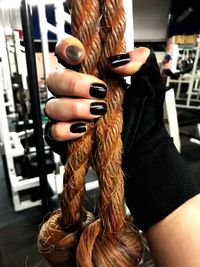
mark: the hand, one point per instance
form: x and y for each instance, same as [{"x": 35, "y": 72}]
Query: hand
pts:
[{"x": 80, "y": 97}]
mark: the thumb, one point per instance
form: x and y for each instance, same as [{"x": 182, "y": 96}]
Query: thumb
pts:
[
  {"x": 129, "y": 63},
  {"x": 70, "y": 51}
]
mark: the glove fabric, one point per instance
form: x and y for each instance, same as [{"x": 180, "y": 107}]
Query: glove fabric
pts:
[{"x": 157, "y": 180}]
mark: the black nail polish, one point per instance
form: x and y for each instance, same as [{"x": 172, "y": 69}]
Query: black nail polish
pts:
[
  {"x": 78, "y": 127},
  {"x": 98, "y": 90},
  {"x": 119, "y": 60},
  {"x": 66, "y": 65},
  {"x": 74, "y": 53},
  {"x": 98, "y": 108}
]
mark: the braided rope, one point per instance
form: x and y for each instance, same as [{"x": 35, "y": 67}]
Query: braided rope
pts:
[
  {"x": 84, "y": 21},
  {"x": 109, "y": 128},
  {"x": 110, "y": 240},
  {"x": 59, "y": 235}
]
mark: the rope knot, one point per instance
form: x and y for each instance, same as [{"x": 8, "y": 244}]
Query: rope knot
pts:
[{"x": 108, "y": 240}]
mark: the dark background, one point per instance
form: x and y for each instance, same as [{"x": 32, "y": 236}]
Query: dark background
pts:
[{"x": 185, "y": 17}]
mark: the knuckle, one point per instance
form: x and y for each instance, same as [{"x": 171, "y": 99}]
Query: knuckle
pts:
[
  {"x": 75, "y": 111},
  {"x": 49, "y": 108},
  {"x": 56, "y": 133},
  {"x": 46, "y": 108},
  {"x": 75, "y": 85},
  {"x": 50, "y": 79}
]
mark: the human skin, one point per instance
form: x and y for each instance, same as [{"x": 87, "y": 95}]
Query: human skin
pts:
[{"x": 175, "y": 240}]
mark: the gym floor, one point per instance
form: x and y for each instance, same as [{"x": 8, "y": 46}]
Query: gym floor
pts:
[{"x": 18, "y": 231}]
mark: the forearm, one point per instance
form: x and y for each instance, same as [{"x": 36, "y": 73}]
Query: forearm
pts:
[
  {"x": 175, "y": 240},
  {"x": 158, "y": 180}
]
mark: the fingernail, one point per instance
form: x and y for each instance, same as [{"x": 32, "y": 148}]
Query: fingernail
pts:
[
  {"x": 74, "y": 53},
  {"x": 119, "y": 60},
  {"x": 98, "y": 108},
  {"x": 78, "y": 127},
  {"x": 98, "y": 90}
]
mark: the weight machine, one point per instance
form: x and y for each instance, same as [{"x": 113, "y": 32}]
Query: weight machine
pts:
[
  {"x": 13, "y": 142},
  {"x": 10, "y": 140},
  {"x": 187, "y": 90},
  {"x": 188, "y": 84},
  {"x": 15, "y": 132}
]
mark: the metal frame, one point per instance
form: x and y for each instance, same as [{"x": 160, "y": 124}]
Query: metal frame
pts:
[
  {"x": 10, "y": 140},
  {"x": 6, "y": 71},
  {"x": 45, "y": 27},
  {"x": 191, "y": 100},
  {"x": 171, "y": 116}
]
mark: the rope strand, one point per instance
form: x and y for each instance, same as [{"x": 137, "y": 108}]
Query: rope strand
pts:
[
  {"x": 72, "y": 236},
  {"x": 110, "y": 241},
  {"x": 58, "y": 237}
]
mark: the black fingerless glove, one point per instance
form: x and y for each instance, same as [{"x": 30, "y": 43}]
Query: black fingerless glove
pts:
[
  {"x": 143, "y": 105},
  {"x": 157, "y": 178}
]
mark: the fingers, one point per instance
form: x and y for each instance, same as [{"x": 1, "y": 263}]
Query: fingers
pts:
[
  {"x": 67, "y": 109},
  {"x": 65, "y": 82},
  {"x": 128, "y": 64},
  {"x": 69, "y": 112},
  {"x": 81, "y": 96},
  {"x": 65, "y": 131}
]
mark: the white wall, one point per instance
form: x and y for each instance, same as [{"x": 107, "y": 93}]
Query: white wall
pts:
[
  {"x": 10, "y": 17},
  {"x": 150, "y": 19}
]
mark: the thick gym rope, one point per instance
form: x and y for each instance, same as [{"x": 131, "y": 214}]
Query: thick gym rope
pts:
[{"x": 72, "y": 236}]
